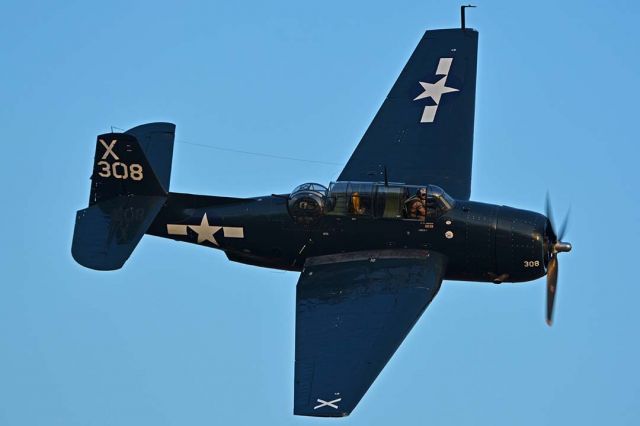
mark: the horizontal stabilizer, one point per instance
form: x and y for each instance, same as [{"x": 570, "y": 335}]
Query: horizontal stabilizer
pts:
[{"x": 106, "y": 233}]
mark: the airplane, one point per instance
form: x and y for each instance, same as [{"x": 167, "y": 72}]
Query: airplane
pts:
[{"x": 372, "y": 248}]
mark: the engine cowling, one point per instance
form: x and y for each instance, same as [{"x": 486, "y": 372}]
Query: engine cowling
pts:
[{"x": 520, "y": 244}]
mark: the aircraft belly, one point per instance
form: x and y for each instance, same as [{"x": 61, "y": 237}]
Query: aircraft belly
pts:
[{"x": 345, "y": 234}]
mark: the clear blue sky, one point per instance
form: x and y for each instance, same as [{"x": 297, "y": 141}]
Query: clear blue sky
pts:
[{"x": 181, "y": 336}]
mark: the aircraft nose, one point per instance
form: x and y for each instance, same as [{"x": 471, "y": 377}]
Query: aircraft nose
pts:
[
  {"x": 521, "y": 237},
  {"x": 553, "y": 241},
  {"x": 561, "y": 246}
]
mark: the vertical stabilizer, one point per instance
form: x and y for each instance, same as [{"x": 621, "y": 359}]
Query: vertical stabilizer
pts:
[{"x": 129, "y": 186}]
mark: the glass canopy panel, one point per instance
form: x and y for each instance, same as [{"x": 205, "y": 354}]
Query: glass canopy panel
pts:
[
  {"x": 389, "y": 202},
  {"x": 360, "y": 198},
  {"x": 337, "y": 199},
  {"x": 393, "y": 201}
]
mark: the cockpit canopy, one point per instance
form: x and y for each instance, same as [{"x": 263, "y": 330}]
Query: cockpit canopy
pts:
[
  {"x": 309, "y": 201},
  {"x": 394, "y": 201},
  {"x": 310, "y": 186}
]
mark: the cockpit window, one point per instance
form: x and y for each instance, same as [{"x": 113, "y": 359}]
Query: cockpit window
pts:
[
  {"x": 360, "y": 199},
  {"x": 426, "y": 202},
  {"x": 389, "y": 201},
  {"x": 395, "y": 201},
  {"x": 443, "y": 199},
  {"x": 350, "y": 198},
  {"x": 310, "y": 187},
  {"x": 307, "y": 203},
  {"x": 337, "y": 199}
]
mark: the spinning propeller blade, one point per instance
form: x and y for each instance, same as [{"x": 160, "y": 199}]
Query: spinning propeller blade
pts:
[
  {"x": 552, "y": 282},
  {"x": 555, "y": 245}
]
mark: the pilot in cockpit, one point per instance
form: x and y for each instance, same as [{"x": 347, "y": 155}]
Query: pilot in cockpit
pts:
[{"x": 417, "y": 205}]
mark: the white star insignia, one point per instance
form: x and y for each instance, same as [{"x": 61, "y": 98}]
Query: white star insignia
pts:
[
  {"x": 205, "y": 231},
  {"x": 435, "y": 90}
]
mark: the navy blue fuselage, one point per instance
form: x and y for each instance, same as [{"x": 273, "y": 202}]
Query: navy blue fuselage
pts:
[{"x": 482, "y": 242}]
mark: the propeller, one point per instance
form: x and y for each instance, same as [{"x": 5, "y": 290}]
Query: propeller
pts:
[{"x": 555, "y": 245}]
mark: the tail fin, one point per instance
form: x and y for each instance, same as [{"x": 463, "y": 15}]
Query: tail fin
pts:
[
  {"x": 137, "y": 162},
  {"x": 129, "y": 185}
]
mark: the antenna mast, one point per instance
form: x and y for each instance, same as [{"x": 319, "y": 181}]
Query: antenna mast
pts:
[{"x": 462, "y": 20}]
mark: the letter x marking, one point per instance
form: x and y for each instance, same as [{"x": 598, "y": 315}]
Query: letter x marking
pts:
[
  {"x": 324, "y": 403},
  {"x": 109, "y": 149}
]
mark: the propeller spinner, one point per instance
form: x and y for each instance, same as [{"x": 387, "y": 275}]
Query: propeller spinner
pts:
[{"x": 555, "y": 245}]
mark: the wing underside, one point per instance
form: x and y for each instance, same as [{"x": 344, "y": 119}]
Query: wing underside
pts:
[
  {"x": 353, "y": 311},
  {"x": 423, "y": 133}
]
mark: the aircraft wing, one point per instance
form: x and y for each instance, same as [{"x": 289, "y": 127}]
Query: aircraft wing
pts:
[
  {"x": 353, "y": 310},
  {"x": 423, "y": 133}
]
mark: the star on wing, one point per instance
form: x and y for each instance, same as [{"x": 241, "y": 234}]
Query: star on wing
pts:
[{"x": 435, "y": 90}]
